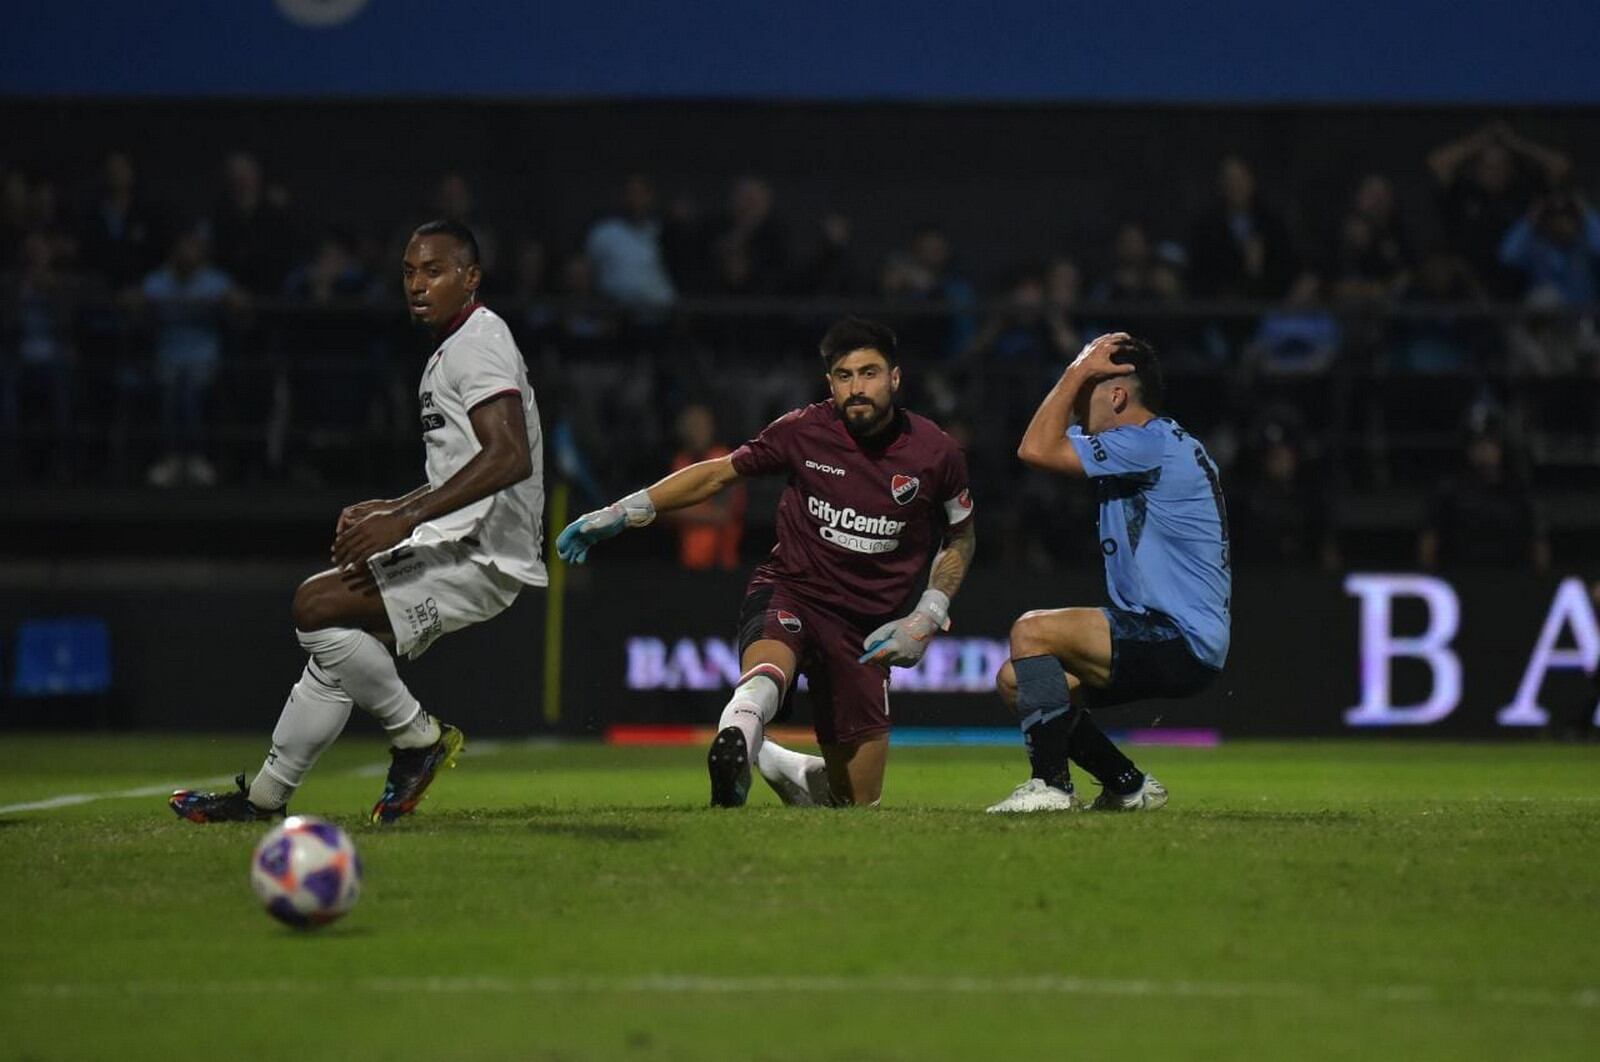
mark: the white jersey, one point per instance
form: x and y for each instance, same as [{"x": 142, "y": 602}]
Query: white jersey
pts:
[{"x": 477, "y": 362}]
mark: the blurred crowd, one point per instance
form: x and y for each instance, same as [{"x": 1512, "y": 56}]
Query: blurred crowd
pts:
[{"x": 1325, "y": 360}]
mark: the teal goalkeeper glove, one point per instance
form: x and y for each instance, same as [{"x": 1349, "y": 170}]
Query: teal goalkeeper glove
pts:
[
  {"x": 636, "y": 510},
  {"x": 901, "y": 642}
]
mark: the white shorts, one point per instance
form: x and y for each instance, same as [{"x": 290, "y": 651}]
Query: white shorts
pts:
[{"x": 431, "y": 588}]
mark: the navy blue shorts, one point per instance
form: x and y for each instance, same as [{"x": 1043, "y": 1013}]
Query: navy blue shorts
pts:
[{"x": 1149, "y": 659}]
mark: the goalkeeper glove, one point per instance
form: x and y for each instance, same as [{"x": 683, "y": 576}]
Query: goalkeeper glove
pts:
[
  {"x": 901, "y": 642},
  {"x": 636, "y": 510}
]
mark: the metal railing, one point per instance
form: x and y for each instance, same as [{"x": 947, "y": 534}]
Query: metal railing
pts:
[{"x": 303, "y": 393}]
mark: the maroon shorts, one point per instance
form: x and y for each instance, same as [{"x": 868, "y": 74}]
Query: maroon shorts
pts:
[{"x": 850, "y": 700}]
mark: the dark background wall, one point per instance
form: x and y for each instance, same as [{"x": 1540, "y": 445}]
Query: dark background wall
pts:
[{"x": 197, "y": 653}]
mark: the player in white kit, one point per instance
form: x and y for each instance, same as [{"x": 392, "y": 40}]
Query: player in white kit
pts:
[{"x": 453, "y": 552}]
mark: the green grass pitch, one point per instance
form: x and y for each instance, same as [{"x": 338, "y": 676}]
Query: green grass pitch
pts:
[{"x": 1360, "y": 900}]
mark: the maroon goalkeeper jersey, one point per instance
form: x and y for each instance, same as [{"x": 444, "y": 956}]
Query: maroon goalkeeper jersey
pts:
[{"x": 857, "y": 523}]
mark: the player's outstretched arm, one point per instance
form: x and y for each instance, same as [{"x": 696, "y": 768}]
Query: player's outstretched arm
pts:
[
  {"x": 685, "y": 487},
  {"x": 901, "y": 642},
  {"x": 1044, "y": 445},
  {"x": 504, "y": 459}
]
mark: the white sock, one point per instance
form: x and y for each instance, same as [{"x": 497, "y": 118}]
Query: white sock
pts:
[
  {"x": 798, "y": 779},
  {"x": 364, "y": 669},
  {"x": 312, "y": 719},
  {"x": 419, "y": 732},
  {"x": 755, "y": 701}
]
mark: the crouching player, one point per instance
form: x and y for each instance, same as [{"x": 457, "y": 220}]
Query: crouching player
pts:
[
  {"x": 454, "y": 552},
  {"x": 873, "y": 491},
  {"x": 1164, "y": 534}
]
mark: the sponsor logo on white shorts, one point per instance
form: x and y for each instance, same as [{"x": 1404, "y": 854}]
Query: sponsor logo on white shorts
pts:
[
  {"x": 423, "y": 618},
  {"x": 398, "y": 564}
]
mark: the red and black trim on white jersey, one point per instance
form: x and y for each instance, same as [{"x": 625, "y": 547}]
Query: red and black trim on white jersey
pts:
[
  {"x": 490, "y": 398},
  {"x": 455, "y": 323}
]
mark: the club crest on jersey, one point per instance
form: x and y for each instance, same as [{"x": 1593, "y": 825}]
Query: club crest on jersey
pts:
[
  {"x": 788, "y": 621},
  {"x": 904, "y": 488}
]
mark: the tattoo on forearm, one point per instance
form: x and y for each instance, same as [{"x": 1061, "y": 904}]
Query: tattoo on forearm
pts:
[{"x": 950, "y": 566}]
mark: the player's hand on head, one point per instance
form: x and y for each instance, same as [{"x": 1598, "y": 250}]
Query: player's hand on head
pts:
[
  {"x": 901, "y": 642},
  {"x": 575, "y": 539},
  {"x": 1094, "y": 360}
]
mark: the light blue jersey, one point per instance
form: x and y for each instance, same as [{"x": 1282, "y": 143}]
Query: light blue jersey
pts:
[{"x": 1163, "y": 528}]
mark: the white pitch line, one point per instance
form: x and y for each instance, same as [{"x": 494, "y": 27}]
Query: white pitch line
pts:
[
  {"x": 688, "y": 984},
  {"x": 68, "y": 800}
]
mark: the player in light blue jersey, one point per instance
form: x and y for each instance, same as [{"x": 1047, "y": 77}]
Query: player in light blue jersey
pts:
[{"x": 1164, "y": 534}]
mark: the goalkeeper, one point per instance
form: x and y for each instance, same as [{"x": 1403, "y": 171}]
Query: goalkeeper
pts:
[{"x": 873, "y": 491}]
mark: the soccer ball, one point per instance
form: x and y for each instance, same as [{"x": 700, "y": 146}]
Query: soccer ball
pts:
[{"x": 306, "y": 872}]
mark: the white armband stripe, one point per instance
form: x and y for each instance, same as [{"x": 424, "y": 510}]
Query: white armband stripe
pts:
[{"x": 958, "y": 508}]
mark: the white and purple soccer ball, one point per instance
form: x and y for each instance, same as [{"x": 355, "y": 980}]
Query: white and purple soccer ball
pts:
[{"x": 306, "y": 872}]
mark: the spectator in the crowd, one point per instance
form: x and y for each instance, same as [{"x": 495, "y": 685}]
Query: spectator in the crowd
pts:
[
  {"x": 43, "y": 219},
  {"x": 1486, "y": 181},
  {"x": 708, "y": 533},
  {"x": 625, "y": 251},
  {"x": 119, "y": 239},
  {"x": 1556, "y": 246},
  {"x": 686, "y": 246},
  {"x": 454, "y": 200},
  {"x": 251, "y": 233},
  {"x": 1240, "y": 248},
  {"x": 1373, "y": 259},
  {"x": 1282, "y": 514},
  {"x": 833, "y": 269},
  {"x": 329, "y": 363},
  {"x": 585, "y": 328},
  {"x": 925, "y": 271},
  {"x": 333, "y": 273},
  {"x": 1552, "y": 340},
  {"x": 1042, "y": 517},
  {"x": 1012, "y": 356},
  {"x": 750, "y": 252},
  {"x": 13, "y": 214},
  {"x": 1020, "y": 331},
  {"x": 1139, "y": 272},
  {"x": 1554, "y": 354},
  {"x": 36, "y": 372},
  {"x": 187, "y": 299},
  {"x": 1300, "y": 339},
  {"x": 1485, "y": 516},
  {"x": 1063, "y": 284},
  {"x": 1143, "y": 272},
  {"x": 1435, "y": 335},
  {"x": 533, "y": 303}
]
